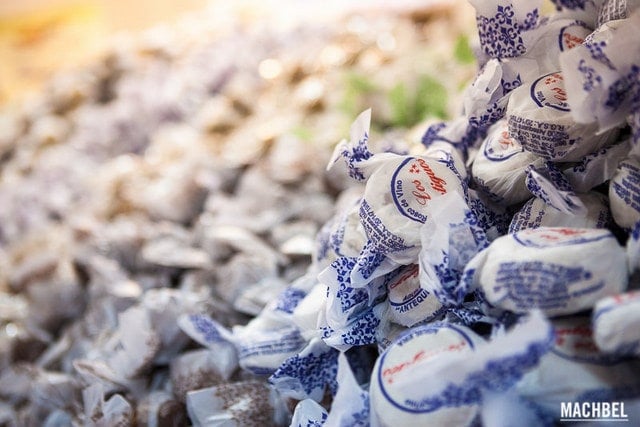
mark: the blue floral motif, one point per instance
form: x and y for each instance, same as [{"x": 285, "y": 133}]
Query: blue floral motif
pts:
[
  {"x": 508, "y": 86},
  {"x": 356, "y": 154},
  {"x": 531, "y": 20},
  {"x": 312, "y": 372},
  {"x": 347, "y": 296},
  {"x": 493, "y": 112},
  {"x": 289, "y": 299},
  {"x": 432, "y": 134},
  {"x": 326, "y": 331},
  {"x": 369, "y": 262},
  {"x": 617, "y": 93},
  {"x": 438, "y": 132},
  {"x": 500, "y": 34},
  {"x": 486, "y": 219},
  {"x": 360, "y": 331},
  {"x": 361, "y": 417},
  {"x": 468, "y": 316},
  {"x": 561, "y": 186},
  {"x": 590, "y": 78},
  {"x": 316, "y": 423},
  {"x": 597, "y": 52}
]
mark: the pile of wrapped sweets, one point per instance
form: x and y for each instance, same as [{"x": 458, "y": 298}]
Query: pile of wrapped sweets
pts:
[{"x": 484, "y": 277}]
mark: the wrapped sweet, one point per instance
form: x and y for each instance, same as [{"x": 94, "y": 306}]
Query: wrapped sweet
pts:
[
  {"x": 558, "y": 270},
  {"x": 540, "y": 120},
  {"x": 499, "y": 166}
]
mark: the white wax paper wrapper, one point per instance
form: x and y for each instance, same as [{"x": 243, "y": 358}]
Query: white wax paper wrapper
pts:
[
  {"x": 139, "y": 343},
  {"x": 597, "y": 167},
  {"x": 485, "y": 101},
  {"x": 262, "y": 351},
  {"x": 459, "y": 133},
  {"x": 574, "y": 370},
  {"x": 507, "y": 409},
  {"x": 449, "y": 242},
  {"x": 361, "y": 330},
  {"x": 492, "y": 218},
  {"x": 209, "y": 333},
  {"x": 462, "y": 377},
  {"x": 395, "y": 205},
  {"x": 624, "y": 193},
  {"x": 633, "y": 249},
  {"x": 499, "y": 166},
  {"x": 350, "y": 407},
  {"x": 308, "y": 374},
  {"x": 544, "y": 43},
  {"x": 398, "y": 188},
  {"x": 536, "y": 213},
  {"x": 345, "y": 304},
  {"x": 98, "y": 413},
  {"x": 359, "y": 159},
  {"x": 409, "y": 302},
  {"x": 558, "y": 270},
  {"x": 308, "y": 413},
  {"x": 602, "y": 74},
  {"x": 410, "y": 355},
  {"x": 540, "y": 118},
  {"x": 616, "y": 324},
  {"x": 241, "y": 403},
  {"x": 548, "y": 183},
  {"x": 343, "y": 235},
  {"x": 263, "y": 343}
]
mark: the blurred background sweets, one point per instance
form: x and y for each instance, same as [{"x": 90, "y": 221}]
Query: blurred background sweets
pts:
[{"x": 41, "y": 37}]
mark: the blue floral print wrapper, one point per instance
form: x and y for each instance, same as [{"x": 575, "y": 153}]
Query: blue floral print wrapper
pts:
[{"x": 537, "y": 213}]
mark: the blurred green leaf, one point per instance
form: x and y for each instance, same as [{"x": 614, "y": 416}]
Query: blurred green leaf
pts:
[
  {"x": 462, "y": 50},
  {"x": 401, "y": 114},
  {"x": 302, "y": 132},
  {"x": 431, "y": 99},
  {"x": 356, "y": 86},
  {"x": 359, "y": 83}
]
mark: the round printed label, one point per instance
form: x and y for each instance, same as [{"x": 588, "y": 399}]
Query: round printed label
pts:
[
  {"x": 500, "y": 146},
  {"x": 572, "y": 35},
  {"x": 559, "y": 236},
  {"x": 574, "y": 341},
  {"x": 549, "y": 91},
  {"x": 413, "y": 184},
  {"x": 415, "y": 348}
]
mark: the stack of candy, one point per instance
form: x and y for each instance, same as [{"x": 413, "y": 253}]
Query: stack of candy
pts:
[{"x": 486, "y": 279}]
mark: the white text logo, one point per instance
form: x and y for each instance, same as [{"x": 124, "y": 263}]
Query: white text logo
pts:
[{"x": 593, "y": 411}]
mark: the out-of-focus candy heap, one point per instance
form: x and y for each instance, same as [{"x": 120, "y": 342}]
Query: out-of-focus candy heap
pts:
[{"x": 182, "y": 180}]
